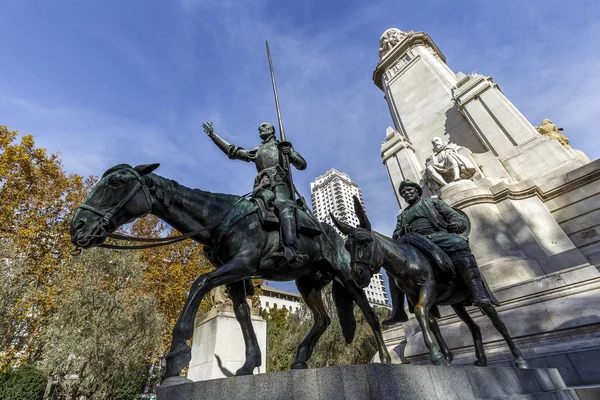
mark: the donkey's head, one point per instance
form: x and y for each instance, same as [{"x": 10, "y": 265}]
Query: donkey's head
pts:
[
  {"x": 120, "y": 197},
  {"x": 361, "y": 246}
]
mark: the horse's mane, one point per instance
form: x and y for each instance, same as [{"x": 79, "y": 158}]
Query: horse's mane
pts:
[{"x": 170, "y": 192}]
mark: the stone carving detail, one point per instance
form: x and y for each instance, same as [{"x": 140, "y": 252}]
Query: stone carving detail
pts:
[
  {"x": 389, "y": 40},
  {"x": 549, "y": 129},
  {"x": 447, "y": 165}
]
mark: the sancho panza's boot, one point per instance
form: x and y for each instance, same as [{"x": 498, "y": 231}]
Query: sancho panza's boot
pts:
[
  {"x": 467, "y": 266},
  {"x": 398, "y": 314},
  {"x": 290, "y": 253}
]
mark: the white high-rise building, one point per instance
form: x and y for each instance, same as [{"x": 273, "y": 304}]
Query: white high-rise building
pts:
[{"x": 333, "y": 192}]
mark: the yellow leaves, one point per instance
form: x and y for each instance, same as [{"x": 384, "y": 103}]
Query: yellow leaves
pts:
[{"x": 37, "y": 198}]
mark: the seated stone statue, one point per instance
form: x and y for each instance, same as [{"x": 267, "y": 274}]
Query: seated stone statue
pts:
[
  {"x": 549, "y": 129},
  {"x": 447, "y": 165}
]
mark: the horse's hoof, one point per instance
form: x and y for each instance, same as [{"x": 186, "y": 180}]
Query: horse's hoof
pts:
[
  {"x": 244, "y": 371},
  {"x": 299, "y": 365},
  {"x": 480, "y": 363},
  {"x": 177, "y": 359},
  {"x": 440, "y": 361},
  {"x": 449, "y": 357},
  {"x": 521, "y": 363}
]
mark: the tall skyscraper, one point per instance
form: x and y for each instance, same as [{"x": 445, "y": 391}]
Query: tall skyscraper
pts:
[{"x": 333, "y": 192}]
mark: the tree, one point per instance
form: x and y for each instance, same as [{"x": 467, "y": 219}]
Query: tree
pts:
[
  {"x": 38, "y": 198},
  {"x": 280, "y": 336},
  {"x": 106, "y": 327},
  {"x": 13, "y": 287},
  {"x": 26, "y": 382}
]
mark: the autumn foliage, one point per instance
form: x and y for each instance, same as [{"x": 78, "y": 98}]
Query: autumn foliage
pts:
[{"x": 38, "y": 199}]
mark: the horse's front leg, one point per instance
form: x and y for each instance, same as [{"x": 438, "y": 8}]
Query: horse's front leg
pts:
[
  {"x": 243, "y": 315},
  {"x": 360, "y": 298},
  {"x": 180, "y": 353},
  {"x": 440, "y": 339},
  {"x": 426, "y": 300}
]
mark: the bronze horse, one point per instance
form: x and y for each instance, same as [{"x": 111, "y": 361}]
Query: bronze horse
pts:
[
  {"x": 423, "y": 284},
  {"x": 240, "y": 248}
]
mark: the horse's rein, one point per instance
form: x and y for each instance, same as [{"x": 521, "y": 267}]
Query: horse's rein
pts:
[{"x": 107, "y": 219}]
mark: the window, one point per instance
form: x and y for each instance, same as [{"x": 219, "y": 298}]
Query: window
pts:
[{"x": 267, "y": 303}]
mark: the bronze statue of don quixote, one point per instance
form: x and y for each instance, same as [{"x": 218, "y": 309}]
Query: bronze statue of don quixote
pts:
[{"x": 273, "y": 235}]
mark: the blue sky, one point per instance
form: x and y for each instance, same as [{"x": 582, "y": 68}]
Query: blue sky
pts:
[{"x": 132, "y": 81}]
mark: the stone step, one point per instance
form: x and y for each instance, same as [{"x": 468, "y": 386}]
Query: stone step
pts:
[
  {"x": 588, "y": 392},
  {"x": 567, "y": 394},
  {"x": 379, "y": 381}
]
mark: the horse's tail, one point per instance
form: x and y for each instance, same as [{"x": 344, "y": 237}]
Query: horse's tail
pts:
[{"x": 345, "y": 309}]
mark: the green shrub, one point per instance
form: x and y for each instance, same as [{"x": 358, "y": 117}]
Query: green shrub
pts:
[{"x": 26, "y": 382}]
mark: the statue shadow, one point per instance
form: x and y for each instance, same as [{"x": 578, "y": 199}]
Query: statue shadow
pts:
[
  {"x": 458, "y": 131},
  {"x": 224, "y": 370}
]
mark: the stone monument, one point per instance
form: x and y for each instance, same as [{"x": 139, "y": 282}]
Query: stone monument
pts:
[
  {"x": 534, "y": 203},
  {"x": 218, "y": 343}
]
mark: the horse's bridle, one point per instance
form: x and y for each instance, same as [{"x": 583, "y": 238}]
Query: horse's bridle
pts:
[
  {"x": 358, "y": 257},
  {"x": 109, "y": 222},
  {"x": 108, "y": 218}
]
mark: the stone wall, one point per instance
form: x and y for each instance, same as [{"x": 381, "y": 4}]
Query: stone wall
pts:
[{"x": 577, "y": 209}]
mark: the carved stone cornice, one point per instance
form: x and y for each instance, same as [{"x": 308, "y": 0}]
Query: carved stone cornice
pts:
[
  {"x": 544, "y": 190},
  {"x": 410, "y": 40}
]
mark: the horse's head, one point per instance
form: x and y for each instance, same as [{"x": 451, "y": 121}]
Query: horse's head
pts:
[
  {"x": 361, "y": 246},
  {"x": 120, "y": 197}
]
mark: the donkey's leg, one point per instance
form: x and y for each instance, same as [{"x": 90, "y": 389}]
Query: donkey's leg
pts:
[
  {"x": 180, "y": 353},
  {"x": 360, "y": 298},
  {"x": 311, "y": 293},
  {"x": 242, "y": 312},
  {"x": 440, "y": 339},
  {"x": 426, "y": 300},
  {"x": 492, "y": 314},
  {"x": 462, "y": 313}
]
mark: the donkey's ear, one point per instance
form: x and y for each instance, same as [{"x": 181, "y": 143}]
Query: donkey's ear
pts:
[
  {"x": 342, "y": 226},
  {"x": 145, "y": 169},
  {"x": 361, "y": 214}
]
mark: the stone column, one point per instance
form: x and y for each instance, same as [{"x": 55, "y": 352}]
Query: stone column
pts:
[{"x": 506, "y": 132}]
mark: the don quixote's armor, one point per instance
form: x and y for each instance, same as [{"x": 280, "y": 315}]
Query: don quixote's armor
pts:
[{"x": 272, "y": 184}]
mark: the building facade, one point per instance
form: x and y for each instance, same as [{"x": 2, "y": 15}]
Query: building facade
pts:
[
  {"x": 272, "y": 297},
  {"x": 333, "y": 193}
]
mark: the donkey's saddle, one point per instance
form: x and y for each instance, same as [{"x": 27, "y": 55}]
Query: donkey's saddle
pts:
[{"x": 269, "y": 221}]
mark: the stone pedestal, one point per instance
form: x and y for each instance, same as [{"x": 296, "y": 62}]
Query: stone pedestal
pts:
[
  {"x": 218, "y": 345},
  {"x": 380, "y": 381}
]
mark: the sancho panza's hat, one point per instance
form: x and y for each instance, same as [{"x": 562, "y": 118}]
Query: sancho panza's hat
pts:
[{"x": 406, "y": 183}]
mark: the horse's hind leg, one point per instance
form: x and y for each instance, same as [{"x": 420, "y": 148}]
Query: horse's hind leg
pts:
[
  {"x": 360, "y": 298},
  {"x": 243, "y": 315},
  {"x": 440, "y": 339},
  {"x": 462, "y": 313},
  {"x": 426, "y": 300},
  {"x": 311, "y": 293},
  {"x": 492, "y": 314}
]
